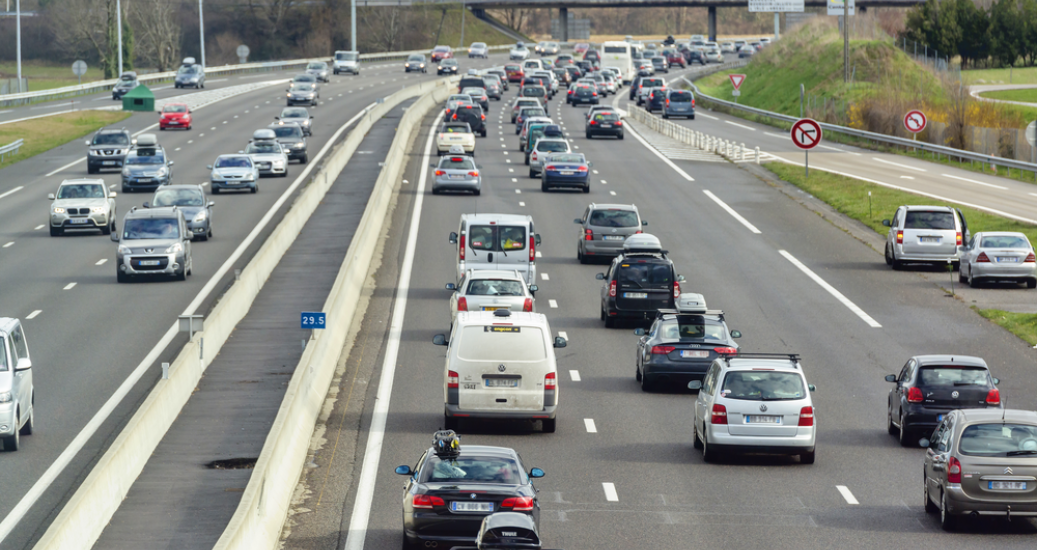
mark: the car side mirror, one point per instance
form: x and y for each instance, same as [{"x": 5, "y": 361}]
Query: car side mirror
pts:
[
  {"x": 577, "y": 221},
  {"x": 277, "y": 118},
  {"x": 439, "y": 340},
  {"x": 209, "y": 167},
  {"x": 680, "y": 278},
  {"x": 404, "y": 470},
  {"x": 311, "y": 117},
  {"x": 560, "y": 342},
  {"x": 172, "y": 162},
  {"x": 453, "y": 237},
  {"x": 115, "y": 237},
  {"x": 695, "y": 385},
  {"x": 644, "y": 222},
  {"x": 147, "y": 204},
  {"x": 210, "y": 204},
  {"x": 50, "y": 196},
  {"x": 891, "y": 378},
  {"x": 112, "y": 194},
  {"x": 533, "y": 288},
  {"x": 997, "y": 381},
  {"x": 923, "y": 442},
  {"x": 23, "y": 364},
  {"x": 886, "y": 223},
  {"x": 600, "y": 276},
  {"x": 87, "y": 143},
  {"x": 159, "y": 112},
  {"x": 811, "y": 387},
  {"x": 536, "y": 473},
  {"x": 736, "y": 334},
  {"x": 639, "y": 331},
  {"x": 450, "y": 286},
  {"x": 537, "y": 239}
]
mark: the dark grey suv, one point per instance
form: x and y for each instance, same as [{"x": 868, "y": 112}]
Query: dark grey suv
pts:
[
  {"x": 108, "y": 149},
  {"x": 292, "y": 139},
  {"x": 153, "y": 241},
  {"x": 604, "y": 228},
  {"x": 640, "y": 282}
]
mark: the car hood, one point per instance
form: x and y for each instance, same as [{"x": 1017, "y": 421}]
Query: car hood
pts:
[
  {"x": 341, "y": 62},
  {"x": 232, "y": 171},
  {"x": 6, "y": 381},
  {"x": 141, "y": 246},
  {"x": 296, "y": 93},
  {"x": 190, "y": 211},
  {"x": 143, "y": 168},
  {"x": 79, "y": 203}
]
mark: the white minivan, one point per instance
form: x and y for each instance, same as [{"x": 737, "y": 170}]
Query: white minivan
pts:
[
  {"x": 16, "y": 393},
  {"x": 496, "y": 241},
  {"x": 500, "y": 365}
]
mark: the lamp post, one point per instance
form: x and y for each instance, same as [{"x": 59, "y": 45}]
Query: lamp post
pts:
[
  {"x": 352, "y": 25},
  {"x": 201, "y": 31},
  {"x": 18, "y": 36},
  {"x": 118, "y": 22}
]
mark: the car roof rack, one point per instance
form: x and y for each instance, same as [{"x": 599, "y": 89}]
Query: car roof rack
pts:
[
  {"x": 713, "y": 312},
  {"x": 794, "y": 357}
]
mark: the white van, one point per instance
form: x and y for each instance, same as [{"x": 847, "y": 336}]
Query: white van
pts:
[
  {"x": 532, "y": 65},
  {"x": 346, "y": 62},
  {"x": 500, "y": 364},
  {"x": 17, "y": 397},
  {"x": 496, "y": 241}
]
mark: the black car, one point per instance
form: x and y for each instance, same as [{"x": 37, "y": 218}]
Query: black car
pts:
[
  {"x": 694, "y": 54},
  {"x": 604, "y": 123},
  {"x": 635, "y": 85},
  {"x": 682, "y": 343},
  {"x": 447, "y": 66},
  {"x": 452, "y": 488},
  {"x": 292, "y": 139},
  {"x": 660, "y": 65},
  {"x": 585, "y": 66},
  {"x": 574, "y": 72},
  {"x": 656, "y": 100},
  {"x": 640, "y": 281},
  {"x": 470, "y": 81},
  {"x": 473, "y": 115},
  {"x": 930, "y": 386},
  {"x": 582, "y": 93},
  {"x": 108, "y": 149},
  {"x": 479, "y": 97}
]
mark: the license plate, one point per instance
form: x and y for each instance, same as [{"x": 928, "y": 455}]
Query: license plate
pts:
[
  {"x": 1007, "y": 485},
  {"x": 456, "y": 176},
  {"x": 929, "y": 239},
  {"x": 78, "y": 220},
  {"x": 149, "y": 262},
  {"x": 606, "y": 125},
  {"x": 1007, "y": 259},
  {"x": 173, "y": 122},
  {"x": 109, "y": 163},
  {"x": 613, "y": 238},
  {"x": 694, "y": 354},
  {"x": 471, "y": 506},
  {"x": 757, "y": 419},
  {"x": 635, "y": 294},
  {"x": 502, "y": 382},
  {"x": 566, "y": 172},
  {"x": 143, "y": 180},
  {"x": 493, "y": 308}
]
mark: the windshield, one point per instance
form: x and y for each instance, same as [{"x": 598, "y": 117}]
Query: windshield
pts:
[
  {"x": 179, "y": 197},
  {"x": 111, "y": 139},
  {"x": 692, "y": 327},
  {"x": 614, "y": 218},
  {"x": 763, "y": 386},
  {"x": 316, "y": 65},
  {"x": 296, "y": 112},
  {"x": 126, "y": 78},
  {"x": 495, "y": 343},
  {"x": 495, "y": 287},
  {"x": 174, "y": 109},
  {"x": 456, "y": 129},
  {"x": 416, "y": 58},
  {"x": 345, "y": 56},
  {"x": 263, "y": 147},
  {"x": 473, "y": 469},
  {"x": 81, "y": 191},
  {"x": 953, "y": 376},
  {"x": 478, "y": 44},
  {"x": 449, "y": 62},
  {"x": 137, "y": 158},
  {"x": 187, "y": 69},
  {"x": 233, "y": 162},
  {"x": 287, "y": 131},
  {"x": 552, "y": 146},
  {"x": 441, "y": 49},
  {"x": 305, "y": 78},
  {"x": 1004, "y": 241},
  {"x": 302, "y": 87},
  {"x": 159, "y": 228},
  {"x": 924, "y": 219},
  {"x": 998, "y": 440}
]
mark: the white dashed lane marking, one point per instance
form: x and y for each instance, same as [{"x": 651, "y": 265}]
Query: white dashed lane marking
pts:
[
  {"x": 592, "y": 429},
  {"x": 9, "y": 245},
  {"x": 575, "y": 375},
  {"x": 553, "y": 304},
  {"x": 69, "y": 286},
  {"x": 843, "y": 490},
  {"x": 610, "y": 492},
  {"x": 545, "y": 276},
  {"x": 38, "y": 227},
  {"x": 34, "y": 314},
  {"x": 101, "y": 261}
]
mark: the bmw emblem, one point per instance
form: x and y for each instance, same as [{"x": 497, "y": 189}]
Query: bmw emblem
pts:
[
  {"x": 763, "y": 408},
  {"x": 954, "y": 394},
  {"x": 501, "y": 367},
  {"x": 472, "y": 495}
]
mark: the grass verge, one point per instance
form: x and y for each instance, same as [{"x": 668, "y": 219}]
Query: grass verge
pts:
[
  {"x": 1023, "y": 325},
  {"x": 44, "y": 134},
  {"x": 1019, "y": 75},
  {"x": 47, "y": 76},
  {"x": 1026, "y": 95}
]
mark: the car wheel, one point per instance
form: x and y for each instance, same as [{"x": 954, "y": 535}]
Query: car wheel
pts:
[
  {"x": 889, "y": 259},
  {"x": 161, "y": 128},
  {"x": 182, "y": 276},
  {"x": 904, "y": 435},
  {"x": 610, "y": 322},
  {"x": 588, "y": 135},
  {"x": 527, "y": 160},
  {"x": 646, "y": 386},
  {"x": 55, "y": 231},
  {"x": 973, "y": 281},
  {"x": 532, "y": 174},
  {"x": 548, "y": 425},
  {"x": 695, "y": 441},
  {"x": 30, "y": 425},
  {"x": 12, "y": 442},
  {"x": 215, "y": 190},
  {"x": 620, "y": 136},
  {"x": 666, "y": 116},
  {"x": 708, "y": 454},
  {"x": 961, "y": 274},
  {"x": 807, "y": 457},
  {"x": 121, "y": 277},
  {"x": 477, "y": 192},
  {"x": 897, "y": 264},
  {"x": 253, "y": 189},
  {"x": 304, "y": 159},
  {"x": 543, "y": 186},
  {"x": 208, "y": 235},
  {"x": 692, "y": 117},
  {"x": 587, "y": 188},
  {"x": 947, "y": 521},
  {"x": 91, "y": 170},
  {"x": 107, "y": 229},
  {"x": 930, "y": 507}
]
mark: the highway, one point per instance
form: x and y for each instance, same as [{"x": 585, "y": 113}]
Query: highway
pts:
[
  {"x": 96, "y": 344},
  {"x": 621, "y": 470}
]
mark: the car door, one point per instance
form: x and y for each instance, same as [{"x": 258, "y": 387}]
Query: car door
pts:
[
  {"x": 966, "y": 234},
  {"x": 894, "y": 226},
  {"x": 704, "y": 401},
  {"x": 22, "y": 378},
  {"x": 185, "y": 235},
  {"x": 458, "y": 292},
  {"x": 936, "y": 457},
  {"x": 898, "y": 393},
  {"x": 967, "y": 253},
  {"x": 642, "y": 342}
]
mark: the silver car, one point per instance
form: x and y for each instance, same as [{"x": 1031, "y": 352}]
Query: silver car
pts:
[
  {"x": 298, "y": 115},
  {"x": 714, "y": 55},
  {"x": 17, "y": 398},
  {"x": 490, "y": 290},
  {"x": 153, "y": 242},
  {"x": 544, "y": 147},
  {"x": 925, "y": 234},
  {"x": 190, "y": 199},
  {"x": 519, "y": 52},
  {"x": 319, "y": 70},
  {"x": 457, "y": 172},
  {"x": 302, "y": 93},
  {"x": 604, "y": 228},
  {"x": 998, "y": 256},
  {"x": 82, "y": 204},
  {"x": 233, "y": 172},
  {"x": 478, "y": 49}
]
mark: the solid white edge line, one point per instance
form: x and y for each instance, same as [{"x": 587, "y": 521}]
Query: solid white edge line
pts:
[
  {"x": 843, "y": 490},
  {"x": 976, "y": 182},
  {"x": 660, "y": 155},
  {"x": 610, "y": 492},
  {"x": 359, "y": 520},
  {"x": 707, "y": 116},
  {"x": 589, "y": 424},
  {"x": 12, "y": 191},
  {"x": 898, "y": 165},
  {"x": 58, "y": 466},
  {"x": 575, "y": 375},
  {"x": 831, "y": 290},
  {"x": 731, "y": 211}
]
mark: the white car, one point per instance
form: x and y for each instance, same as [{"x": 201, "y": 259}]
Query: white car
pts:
[
  {"x": 454, "y": 134},
  {"x": 490, "y": 290},
  {"x": 519, "y": 52},
  {"x": 754, "y": 403},
  {"x": 616, "y": 73},
  {"x": 82, "y": 204},
  {"x": 727, "y": 47},
  {"x": 545, "y": 146},
  {"x": 269, "y": 157}
]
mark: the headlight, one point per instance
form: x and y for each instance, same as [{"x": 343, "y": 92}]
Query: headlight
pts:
[
  {"x": 59, "y": 210},
  {"x": 289, "y": 95},
  {"x": 5, "y": 397},
  {"x": 163, "y": 171},
  {"x": 175, "y": 249},
  {"x": 422, "y": 65},
  {"x": 124, "y": 250},
  {"x": 200, "y": 217},
  {"x": 298, "y": 146},
  {"x": 97, "y": 209},
  {"x": 94, "y": 152}
]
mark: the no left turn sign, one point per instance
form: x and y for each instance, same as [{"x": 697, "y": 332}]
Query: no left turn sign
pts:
[
  {"x": 915, "y": 121},
  {"x": 806, "y": 133}
]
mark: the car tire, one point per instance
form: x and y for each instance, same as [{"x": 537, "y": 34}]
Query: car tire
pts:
[
  {"x": 483, "y": 132},
  {"x": 588, "y": 135},
  {"x": 646, "y": 386},
  {"x": 527, "y": 159},
  {"x": 961, "y": 274},
  {"x": 807, "y": 457},
  {"x": 1031, "y": 283},
  {"x": 692, "y": 117},
  {"x": 215, "y": 190},
  {"x": 708, "y": 454},
  {"x": 666, "y": 116},
  {"x": 108, "y": 228},
  {"x": 890, "y": 426},
  {"x": 161, "y": 129},
  {"x": 12, "y": 442},
  {"x": 580, "y": 257},
  {"x": 543, "y": 187},
  {"x": 889, "y": 259},
  {"x": 304, "y": 159},
  {"x": 121, "y": 277},
  {"x": 91, "y": 169},
  {"x": 947, "y": 522},
  {"x": 929, "y": 506},
  {"x": 182, "y": 276},
  {"x": 254, "y": 189},
  {"x": 973, "y": 281},
  {"x": 610, "y": 322},
  {"x": 695, "y": 441},
  {"x": 548, "y": 425},
  {"x": 55, "y": 231},
  {"x": 435, "y": 191},
  {"x": 532, "y": 174},
  {"x": 477, "y": 192},
  {"x": 904, "y": 434}
]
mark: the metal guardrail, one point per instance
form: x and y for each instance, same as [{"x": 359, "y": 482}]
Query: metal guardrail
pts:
[
  {"x": 11, "y": 149},
  {"x": 10, "y": 100},
  {"x": 880, "y": 138}
]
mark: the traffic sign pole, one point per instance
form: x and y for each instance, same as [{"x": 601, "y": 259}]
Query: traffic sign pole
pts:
[{"x": 806, "y": 134}]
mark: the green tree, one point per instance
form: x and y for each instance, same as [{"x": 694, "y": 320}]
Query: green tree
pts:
[
  {"x": 127, "y": 44},
  {"x": 1006, "y": 32},
  {"x": 1028, "y": 45},
  {"x": 974, "y": 42},
  {"x": 935, "y": 24}
]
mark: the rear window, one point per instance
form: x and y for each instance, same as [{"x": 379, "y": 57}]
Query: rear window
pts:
[
  {"x": 692, "y": 327},
  {"x": 533, "y": 92},
  {"x": 617, "y": 49},
  {"x": 680, "y": 96},
  {"x": 499, "y": 342},
  {"x": 552, "y": 146},
  {"x": 952, "y": 376},
  {"x": 606, "y": 117},
  {"x": 614, "y": 218},
  {"x": 473, "y": 469},
  {"x": 652, "y": 83},
  {"x": 457, "y": 163},
  {"x": 497, "y": 237},
  {"x": 999, "y": 440},
  {"x": 645, "y": 274},
  {"x": 472, "y": 83},
  {"x": 763, "y": 386},
  {"x": 1004, "y": 241},
  {"x": 495, "y": 287},
  {"x": 532, "y": 111},
  {"x": 924, "y": 219}
]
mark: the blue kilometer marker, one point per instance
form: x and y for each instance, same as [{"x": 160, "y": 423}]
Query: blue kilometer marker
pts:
[{"x": 313, "y": 319}]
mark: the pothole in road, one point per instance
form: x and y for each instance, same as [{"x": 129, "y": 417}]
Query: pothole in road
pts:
[{"x": 233, "y": 464}]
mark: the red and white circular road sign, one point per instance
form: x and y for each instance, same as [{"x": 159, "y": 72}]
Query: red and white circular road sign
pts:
[
  {"x": 806, "y": 133},
  {"x": 915, "y": 121}
]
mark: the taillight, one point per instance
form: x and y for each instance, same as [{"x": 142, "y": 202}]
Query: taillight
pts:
[
  {"x": 612, "y": 289},
  {"x": 527, "y": 305},
  {"x": 426, "y": 501},
  {"x": 914, "y": 395},
  {"x": 618, "y": 123},
  {"x": 440, "y": 172},
  {"x": 588, "y": 235},
  {"x": 982, "y": 258},
  {"x": 581, "y": 169},
  {"x": 534, "y": 156},
  {"x": 900, "y": 237},
  {"x": 676, "y": 290},
  {"x": 725, "y": 351},
  {"x": 953, "y": 470},
  {"x": 474, "y": 174},
  {"x": 806, "y": 416},
  {"x": 462, "y": 304},
  {"x": 532, "y": 249},
  {"x": 719, "y": 415},
  {"x": 451, "y": 379},
  {"x": 551, "y": 167},
  {"x": 1030, "y": 258},
  {"x": 592, "y": 123},
  {"x": 484, "y": 117},
  {"x": 994, "y": 397},
  {"x": 518, "y": 504},
  {"x": 595, "y": 94},
  {"x": 550, "y": 381},
  {"x": 667, "y": 102},
  {"x": 957, "y": 238},
  {"x": 662, "y": 350},
  {"x": 692, "y": 102},
  {"x": 462, "y": 246}
]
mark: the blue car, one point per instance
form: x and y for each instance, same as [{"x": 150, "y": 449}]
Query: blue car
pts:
[{"x": 565, "y": 170}]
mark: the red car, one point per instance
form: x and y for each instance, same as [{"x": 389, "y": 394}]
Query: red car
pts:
[
  {"x": 674, "y": 57},
  {"x": 514, "y": 73},
  {"x": 440, "y": 53},
  {"x": 175, "y": 115},
  {"x": 581, "y": 47}
]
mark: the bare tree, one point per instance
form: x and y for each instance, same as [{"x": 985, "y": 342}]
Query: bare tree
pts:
[
  {"x": 157, "y": 27},
  {"x": 87, "y": 25},
  {"x": 271, "y": 13}
]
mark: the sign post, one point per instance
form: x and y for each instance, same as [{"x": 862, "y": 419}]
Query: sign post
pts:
[
  {"x": 736, "y": 81},
  {"x": 313, "y": 320},
  {"x": 915, "y": 121},
  {"x": 79, "y": 69},
  {"x": 806, "y": 134},
  {"x": 243, "y": 52}
]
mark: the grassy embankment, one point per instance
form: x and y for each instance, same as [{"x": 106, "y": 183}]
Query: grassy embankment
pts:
[
  {"x": 47, "y": 76},
  {"x": 44, "y": 134},
  {"x": 850, "y": 197}
]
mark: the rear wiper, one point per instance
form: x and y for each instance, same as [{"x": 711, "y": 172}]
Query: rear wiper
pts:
[
  {"x": 634, "y": 283},
  {"x": 970, "y": 384},
  {"x": 1017, "y": 453}
]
